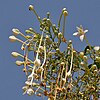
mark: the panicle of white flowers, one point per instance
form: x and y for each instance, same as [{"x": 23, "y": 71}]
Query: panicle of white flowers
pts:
[{"x": 53, "y": 72}]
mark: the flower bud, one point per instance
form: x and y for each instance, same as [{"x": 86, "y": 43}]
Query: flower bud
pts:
[
  {"x": 54, "y": 26},
  {"x": 88, "y": 50},
  {"x": 39, "y": 94},
  {"x": 30, "y": 29},
  {"x": 74, "y": 52},
  {"x": 39, "y": 70},
  {"x": 94, "y": 67},
  {"x": 97, "y": 59},
  {"x": 35, "y": 36},
  {"x": 31, "y": 7},
  {"x": 48, "y": 14},
  {"x": 15, "y": 31},
  {"x": 65, "y": 13},
  {"x": 19, "y": 63},
  {"x": 81, "y": 54},
  {"x": 82, "y": 64},
  {"x": 44, "y": 19},
  {"x": 68, "y": 47},
  {"x": 28, "y": 83},
  {"x": 85, "y": 58},
  {"x": 62, "y": 63},
  {"x": 58, "y": 50},
  {"x": 41, "y": 48},
  {"x": 60, "y": 35},
  {"x": 15, "y": 54},
  {"x": 24, "y": 88},
  {"x": 96, "y": 48},
  {"x": 30, "y": 91},
  {"x": 64, "y": 79},
  {"x": 47, "y": 37},
  {"x": 37, "y": 62},
  {"x": 70, "y": 41},
  {"x": 95, "y": 71},
  {"x": 64, "y": 9},
  {"x": 34, "y": 84},
  {"x": 27, "y": 31},
  {"x": 12, "y": 38},
  {"x": 28, "y": 37},
  {"x": 56, "y": 32}
]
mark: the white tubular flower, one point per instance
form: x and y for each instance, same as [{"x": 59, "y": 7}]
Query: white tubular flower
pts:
[
  {"x": 30, "y": 91},
  {"x": 15, "y": 31},
  {"x": 37, "y": 62},
  {"x": 96, "y": 48},
  {"x": 15, "y": 54},
  {"x": 12, "y": 38},
  {"x": 80, "y": 33}
]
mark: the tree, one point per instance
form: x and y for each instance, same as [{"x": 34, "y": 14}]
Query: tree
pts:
[{"x": 54, "y": 73}]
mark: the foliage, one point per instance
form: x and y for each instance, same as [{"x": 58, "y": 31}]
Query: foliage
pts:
[{"x": 54, "y": 73}]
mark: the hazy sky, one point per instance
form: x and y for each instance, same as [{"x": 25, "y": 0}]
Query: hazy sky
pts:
[{"x": 15, "y": 14}]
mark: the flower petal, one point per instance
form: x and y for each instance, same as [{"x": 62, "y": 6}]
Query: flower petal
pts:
[
  {"x": 76, "y": 33},
  {"x": 85, "y": 31},
  {"x": 81, "y": 37}
]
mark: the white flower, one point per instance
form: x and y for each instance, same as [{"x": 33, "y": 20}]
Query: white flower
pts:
[
  {"x": 96, "y": 48},
  {"x": 80, "y": 33}
]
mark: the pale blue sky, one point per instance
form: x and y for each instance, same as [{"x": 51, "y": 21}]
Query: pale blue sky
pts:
[{"x": 15, "y": 14}]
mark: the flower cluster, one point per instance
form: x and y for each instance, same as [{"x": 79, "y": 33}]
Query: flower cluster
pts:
[{"x": 54, "y": 73}]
